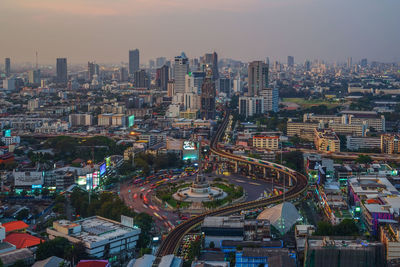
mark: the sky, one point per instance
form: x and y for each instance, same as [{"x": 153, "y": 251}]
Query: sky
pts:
[{"x": 105, "y": 30}]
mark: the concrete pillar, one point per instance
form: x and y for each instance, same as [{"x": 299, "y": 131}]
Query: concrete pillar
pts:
[
  {"x": 265, "y": 172},
  {"x": 236, "y": 167},
  {"x": 250, "y": 168}
]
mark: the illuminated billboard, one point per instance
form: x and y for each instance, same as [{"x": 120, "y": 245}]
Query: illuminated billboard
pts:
[
  {"x": 7, "y": 133},
  {"x": 103, "y": 169},
  {"x": 96, "y": 180},
  {"x": 89, "y": 181},
  {"x": 189, "y": 145},
  {"x": 81, "y": 180},
  {"x": 131, "y": 120},
  {"x": 108, "y": 162}
]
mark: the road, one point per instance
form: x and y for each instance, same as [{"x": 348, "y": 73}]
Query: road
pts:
[{"x": 253, "y": 188}]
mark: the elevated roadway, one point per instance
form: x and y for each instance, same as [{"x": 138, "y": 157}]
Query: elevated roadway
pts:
[{"x": 299, "y": 184}]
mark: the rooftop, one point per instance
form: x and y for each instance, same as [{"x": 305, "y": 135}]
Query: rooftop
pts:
[
  {"x": 23, "y": 240},
  {"x": 14, "y": 226}
]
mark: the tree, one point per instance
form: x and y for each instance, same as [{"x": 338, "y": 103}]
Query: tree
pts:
[
  {"x": 36, "y": 192},
  {"x": 212, "y": 245},
  {"x": 55, "y": 247},
  {"x": 22, "y": 214},
  {"x": 76, "y": 252},
  {"x": 364, "y": 159}
]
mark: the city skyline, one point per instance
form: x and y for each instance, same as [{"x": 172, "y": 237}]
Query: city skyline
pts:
[{"x": 306, "y": 29}]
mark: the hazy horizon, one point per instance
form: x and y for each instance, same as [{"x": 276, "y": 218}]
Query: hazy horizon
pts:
[{"x": 104, "y": 31}]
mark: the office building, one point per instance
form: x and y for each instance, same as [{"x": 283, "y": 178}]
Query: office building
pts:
[
  {"x": 326, "y": 140},
  {"x": 290, "y": 61},
  {"x": 208, "y": 94},
  {"x": 250, "y": 106},
  {"x": 349, "y": 62},
  {"x": 211, "y": 61},
  {"x": 258, "y": 78},
  {"x": 390, "y": 143},
  {"x": 171, "y": 88},
  {"x": 62, "y": 72},
  {"x": 225, "y": 86},
  {"x": 343, "y": 251},
  {"x": 162, "y": 77},
  {"x": 271, "y": 99},
  {"x": 356, "y": 143},
  {"x": 9, "y": 84},
  {"x": 194, "y": 81},
  {"x": 7, "y": 66},
  {"x": 34, "y": 77},
  {"x": 123, "y": 74},
  {"x": 103, "y": 238},
  {"x": 80, "y": 120},
  {"x": 307, "y": 65},
  {"x": 160, "y": 61},
  {"x": 93, "y": 69},
  {"x": 181, "y": 68},
  {"x": 364, "y": 62},
  {"x": 133, "y": 61},
  {"x": 141, "y": 79}
]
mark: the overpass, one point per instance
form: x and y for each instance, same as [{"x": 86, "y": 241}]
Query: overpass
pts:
[{"x": 298, "y": 185}]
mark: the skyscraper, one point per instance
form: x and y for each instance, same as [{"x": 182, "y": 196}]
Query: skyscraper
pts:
[
  {"x": 7, "y": 68},
  {"x": 141, "y": 79},
  {"x": 34, "y": 77},
  {"x": 270, "y": 99},
  {"x": 290, "y": 61},
  {"x": 364, "y": 62},
  {"x": 133, "y": 61},
  {"x": 181, "y": 68},
  {"x": 207, "y": 110},
  {"x": 62, "y": 76},
  {"x": 123, "y": 74},
  {"x": 349, "y": 62},
  {"x": 225, "y": 85},
  {"x": 258, "y": 77},
  {"x": 93, "y": 69},
  {"x": 162, "y": 77},
  {"x": 211, "y": 60}
]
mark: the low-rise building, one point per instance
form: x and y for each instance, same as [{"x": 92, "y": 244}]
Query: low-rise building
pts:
[
  {"x": 266, "y": 142},
  {"x": 326, "y": 140},
  {"x": 390, "y": 237},
  {"x": 103, "y": 238}
]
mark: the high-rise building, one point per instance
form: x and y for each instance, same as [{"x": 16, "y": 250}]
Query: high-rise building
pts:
[
  {"x": 181, "y": 68},
  {"x": 171, "y": 88},
  {"x": 364, "y": 62},
  {"x": 290, "y": 61},
  {"x": 194, "y": 81},
  {"x": 133, "y": 61},
  {"x": 7, "y": 66},
  {"x": 349, "y": 62},
  {"x": 152, "y": 64},
  {"x": 62, "y": 72},
  {"x": 211, "y": 60},
  {"x": 123, "y": 74},
  {"x": 307, "y": 65},
  {"x": 250, "y": 106},
  {"x": 141, "y": 79},
  {"x": 225, "y": 86},
  {"x": 208, "y": 94},
  {"x": 34, "y": 77},
  {"x": 160, "y": 61},
  {"x": 93, "y": 69},
  {"x": 258, "y": 77},
  {"x": 271, "y": 99},
  {"x": 162, "y": 77}
]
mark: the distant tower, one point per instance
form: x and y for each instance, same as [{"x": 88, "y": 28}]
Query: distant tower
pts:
[
  {"x": 290, "y": 61},
  {"x": 162, "y": 77},
  {"x": 181, "y": 68},
  {"x": 349, "y": 62},
  {"x": 62, "y": 76},
  {"x": 208, "y": 94},
  {"x": 133, "y": 61},
  {"x": 258, "y": 77},
  {"x": 7, "y": 69}
]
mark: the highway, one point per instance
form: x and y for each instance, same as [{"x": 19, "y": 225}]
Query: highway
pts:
[{"x": 171, "y": 243}]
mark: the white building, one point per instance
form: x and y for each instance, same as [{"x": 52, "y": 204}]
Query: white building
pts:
[
  {"x": 271, "y": 99},
  {"x": 181, "y": 68},
  {"x": 80, "y": 120},
  {"x": 250, "y": 106},
  {"x": 25, "y": 179},
  {"x": 9, "y": 84},
  {"x": 103, "y": 238}
]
